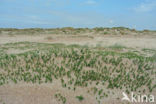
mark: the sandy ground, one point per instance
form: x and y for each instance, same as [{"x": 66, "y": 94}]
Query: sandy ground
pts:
[
  {"x": 143, "y": 41},
  {"x": 23, "y": 93},
  {"x": 44, "y": 94}
]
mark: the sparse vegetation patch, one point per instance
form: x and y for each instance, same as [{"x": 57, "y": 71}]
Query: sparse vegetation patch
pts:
[{"x": 78, "y": 66}]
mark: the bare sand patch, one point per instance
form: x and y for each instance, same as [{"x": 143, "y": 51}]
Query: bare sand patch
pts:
[
  {"x": 143, "y": 41},
  {"x": 45, "y": 94}
]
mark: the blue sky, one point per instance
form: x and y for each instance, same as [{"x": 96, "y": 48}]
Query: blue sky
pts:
[{"x": 139, "y": 14}]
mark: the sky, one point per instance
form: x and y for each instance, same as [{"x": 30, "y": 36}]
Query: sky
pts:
[{"x": 138, "y": 14}]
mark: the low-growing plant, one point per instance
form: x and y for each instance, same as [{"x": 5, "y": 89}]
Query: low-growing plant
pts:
[{"x": 80, "y": 98}]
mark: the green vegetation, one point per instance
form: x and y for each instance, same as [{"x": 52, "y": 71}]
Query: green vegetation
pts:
[
  {"x": 61, "y": 98},
  {"x": 71, "y": 30},
  {"x": 117, "y": 46},
  {"x": 78, "y": 66},
  {"x": 80, "y": 98}
]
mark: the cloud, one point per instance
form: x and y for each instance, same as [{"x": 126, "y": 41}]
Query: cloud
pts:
[
  {"x": 90, "y": 2},
  {"x": 111, "y": 21},
  {"x": 147, "y": 6}
]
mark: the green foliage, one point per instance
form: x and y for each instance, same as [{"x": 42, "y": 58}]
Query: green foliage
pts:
[
  {"x": 61, "y": 98},
  {"x": 77, "y": 66},
  {"x": 80, "y": 98},
  {"x": 117, "y": 46}
]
